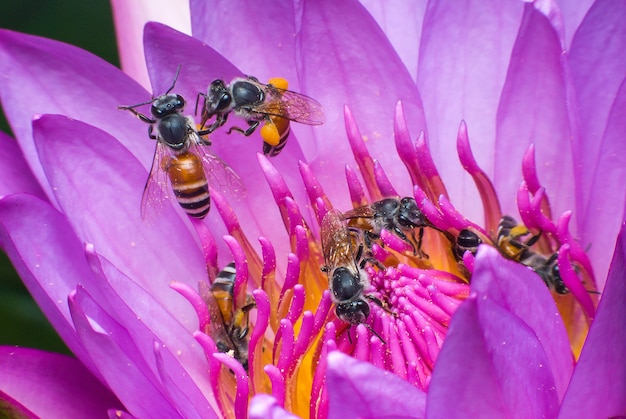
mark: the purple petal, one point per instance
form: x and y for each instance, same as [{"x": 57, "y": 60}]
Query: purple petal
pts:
[
  {"x": 257, "y": 39},
  {"x": 494, "y": 362},
  {"x": 52, "y": 385},
  {"x": 366, "y": 391},
  {"x": 464, "y": 372},
  {"x": 573, "y": 12},
  {"x": 343, "y": 57},
  {"x": 597, "y": 66},
  {"x": 130, "y": 18},
  {"x": 402, "y": 24},
  {"x": 110, "y": 344},
  {"x": 533, "y": 108},
  {"x": 182, "y": 363},
  {"x": 607, "y": 201},
  {"x": 598, "y": 386},
  {"x": 597, "y": 63},
  {"x": 165, "y": 49},
  {"x": 48, "y": 257},
  {"x": 15, "y": 175},
  {"x": 264, "y": 406},
  {"x": 98, "y": 185},
  {"x": 44, "y": 76},
  {"x": 464, "y": 55},
  {"x": 522, "y": 293}
]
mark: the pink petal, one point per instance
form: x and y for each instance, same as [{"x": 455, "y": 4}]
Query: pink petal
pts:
[
  {"x": 526, "y": 296},
  {"x": 597, "y": 63},
  {"x": 227, "y": 26},
  {"x": 52, "y": 385},
  {"x": 366, "y": 391},
  {"x": 130, "y": 18},
  {"x": 343, "y": 57},
  {"x": 111, "y": 346},
  {"x": 98, "y": 186},
  {"x": 264, "y": 406},
  {"x": 15, "y": 175},
  {"x": 182, "y": 365},
  {"x": 44, "y": 76},
  {"x": 607, "y": 201},
  {"x": 48, "y": 257},
  {"x": 533, "y": 108},
  {"x": 402, "y": 24},
  {"x": 598, "y": 386},
  {"x": 464, "y": 56},
  {"x": 494, "y": 362},
  {"x": 573, "y": 12}
]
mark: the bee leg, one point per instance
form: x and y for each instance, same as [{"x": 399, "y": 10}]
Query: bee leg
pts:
[
  {"x": 533, "y": 239},
  {"x": 420, "y": 253},
  {"x": 195, "y": 111},
  {"x": 245, "y": 309},
  {"x": 150, "y": 132},
  {"x": 252, "y": 126},
  {"x": 138, "y": 114},
  {"x": 220, "y": 120}
]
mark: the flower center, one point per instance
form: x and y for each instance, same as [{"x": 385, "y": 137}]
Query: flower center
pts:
[{"x": 379, "y": 282}]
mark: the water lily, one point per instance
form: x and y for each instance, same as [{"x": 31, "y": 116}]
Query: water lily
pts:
[{"x": 123, "y": 293}]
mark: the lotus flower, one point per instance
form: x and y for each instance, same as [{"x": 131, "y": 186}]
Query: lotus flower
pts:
[{"x": 541, "y": 92}]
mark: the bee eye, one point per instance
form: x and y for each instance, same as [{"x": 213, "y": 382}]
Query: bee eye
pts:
[{"x": 180, "y": 102}]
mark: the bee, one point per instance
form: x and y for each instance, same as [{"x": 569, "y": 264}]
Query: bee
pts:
[
  {"x": 466, "y": 241},
  {"x": 182, "y": 155},
  {"x": 510, "y": 242},
  {"x": 229, "y": 326},
  {"x": 256, "y": 102},
  {"x": 547, "y": 269},
  {"x": 399, "y": 216},
  {"x": 344, "y": 263}
]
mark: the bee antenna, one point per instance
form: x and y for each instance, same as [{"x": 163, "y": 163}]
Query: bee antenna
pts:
[
  {"x": 175, "y": 78},
  {"x": 371, "y": 329}
]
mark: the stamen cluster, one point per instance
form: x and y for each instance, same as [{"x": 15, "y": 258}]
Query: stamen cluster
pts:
[{"x": 414, "y": 281}]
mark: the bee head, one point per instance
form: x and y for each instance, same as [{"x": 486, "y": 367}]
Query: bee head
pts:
[
  {"x": 167, "y": 105},
  {"x": 355, "y": 312},
  {"x": 218, "y": 97}
]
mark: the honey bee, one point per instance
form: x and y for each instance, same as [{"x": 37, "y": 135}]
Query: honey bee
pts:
[
  {"x": 229, "y": 325},
  {"x": 256, "y": 102},
  {"x": 399, "y": 216},
  {"x": 510, "y": 242},
  {"x": 344, "y": 262},
  {"x": 182, "y": 155},
  {"x": 466, "y": 241}
]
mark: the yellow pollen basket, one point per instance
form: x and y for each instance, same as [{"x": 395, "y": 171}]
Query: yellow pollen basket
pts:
[
  {"x": 279, "y": 83},
  {"x": 269, "y": 133}
]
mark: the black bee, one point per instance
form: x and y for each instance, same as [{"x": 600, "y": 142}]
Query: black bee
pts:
[{"x": 256, "y": 102}]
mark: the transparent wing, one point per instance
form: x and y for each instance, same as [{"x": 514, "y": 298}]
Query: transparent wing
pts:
[
  {"x": 336, "y": 241},
  {"x": 217, "y": 329},
  {"x": 158, "y": 188},
  {"x": 365, "y": 211},
  {"x": 291, "y": 105},
  {"x": 219, "y": 175}
]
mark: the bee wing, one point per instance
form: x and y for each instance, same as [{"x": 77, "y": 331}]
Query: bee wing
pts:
[
  {"x": 217, "y": 329},
  {"x": 157, "y": 187},
  {"x": 336, "y": 241},
  {"x": 291, "y": 105},
  {"x": 219, "y": 175},
  {"x": 365, "y": 211}
]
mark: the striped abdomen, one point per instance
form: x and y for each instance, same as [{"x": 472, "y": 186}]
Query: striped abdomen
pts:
[
  {"x": 274, "y": 133},
  {"x": 189, "y": 184},
  {"x": 222, "y": 290}
]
